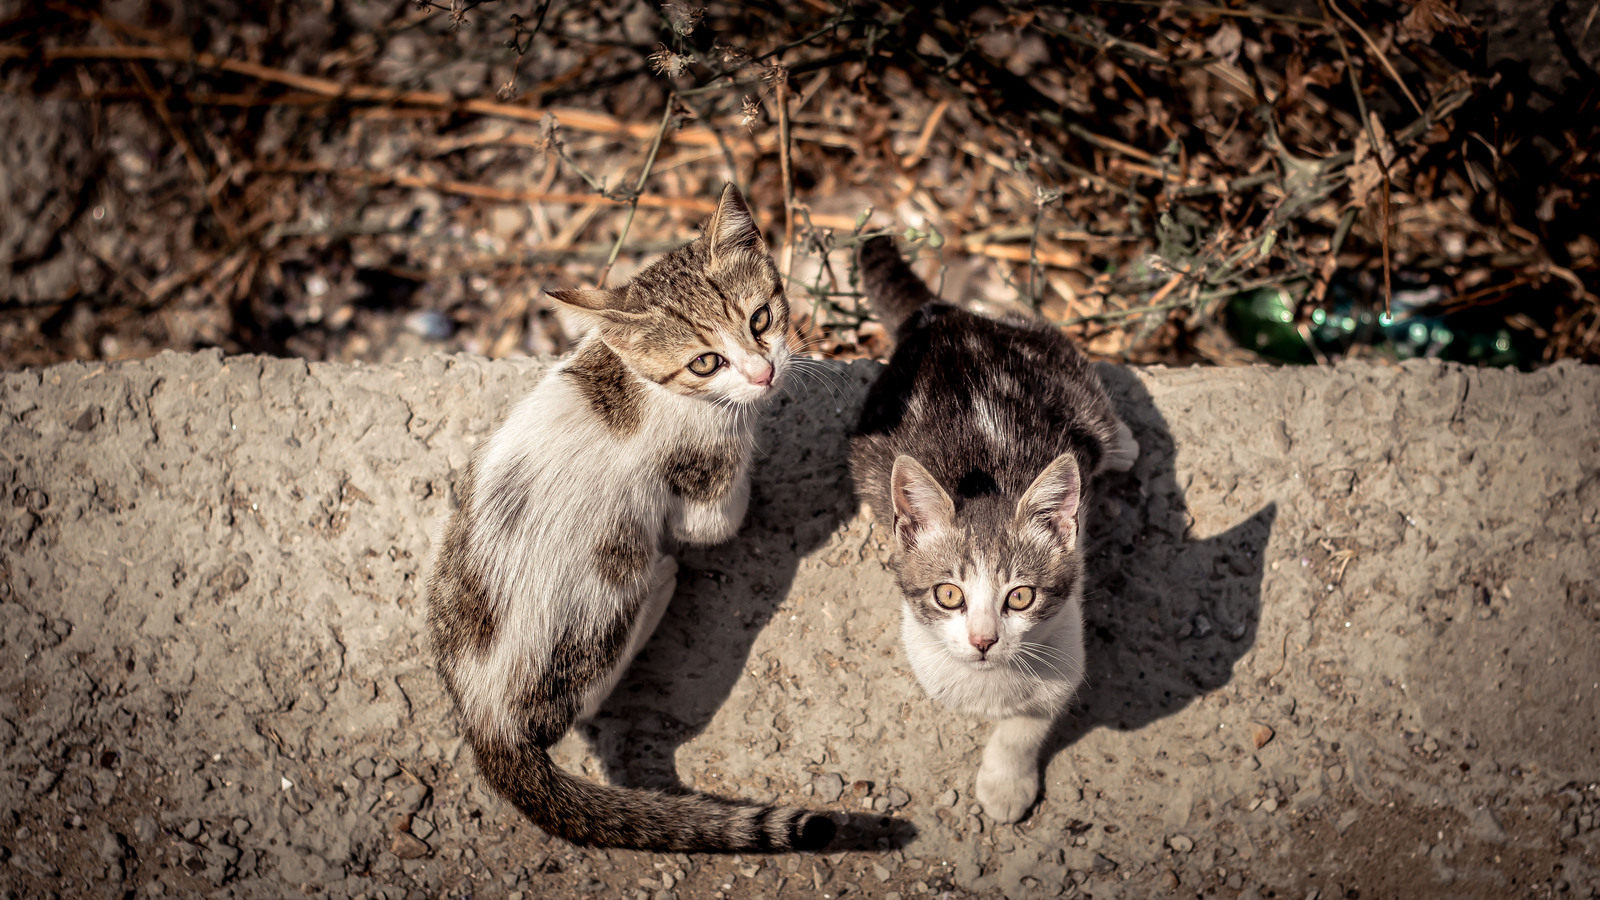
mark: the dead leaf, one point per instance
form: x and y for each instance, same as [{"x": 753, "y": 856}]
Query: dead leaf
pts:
[
  {"x": 1225, "y": 42},
  {"x": 1429, "y": 17}
]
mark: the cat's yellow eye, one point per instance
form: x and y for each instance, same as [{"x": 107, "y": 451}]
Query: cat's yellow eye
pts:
[
  {"x": 705, "y": 364},
  {"x": 949, "y": 596},
  {"x": 760, "y": 320},
  {"x": 1020, "y": 598}
]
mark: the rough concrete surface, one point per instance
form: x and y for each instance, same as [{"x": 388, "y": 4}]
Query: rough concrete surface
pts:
[{"x": 1342, "y": 643}]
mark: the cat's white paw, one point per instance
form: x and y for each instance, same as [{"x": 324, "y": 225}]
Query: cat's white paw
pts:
[{"x": 1005, "y": 793}]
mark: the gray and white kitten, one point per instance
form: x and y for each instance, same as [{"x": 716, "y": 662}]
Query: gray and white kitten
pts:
[
  {"x": 974, "y": 446},
  {"x": 551, "y": 573}
]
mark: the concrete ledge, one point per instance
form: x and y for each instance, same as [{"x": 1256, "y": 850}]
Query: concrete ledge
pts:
[{"x": 1343, "y": 636}]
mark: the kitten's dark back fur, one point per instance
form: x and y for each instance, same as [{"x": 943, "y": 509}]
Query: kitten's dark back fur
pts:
[{"x": 1042, "y": 394}]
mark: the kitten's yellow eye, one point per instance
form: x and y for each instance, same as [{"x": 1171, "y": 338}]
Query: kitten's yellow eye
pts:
[
  {"x": 705, "y": 364},
  {"x": 949, "y": 596},
  {"x": 1020, "y": 598},
  {"x": 760, "y": 320}
]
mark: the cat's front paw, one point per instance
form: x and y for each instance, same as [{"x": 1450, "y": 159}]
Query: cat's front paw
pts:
[{"x": 1006, "y": 795}]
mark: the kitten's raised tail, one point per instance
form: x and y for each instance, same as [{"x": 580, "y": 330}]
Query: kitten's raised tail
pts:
[
  {"x": 893, "y": 289},
  {"x": 600, "y": 815}
]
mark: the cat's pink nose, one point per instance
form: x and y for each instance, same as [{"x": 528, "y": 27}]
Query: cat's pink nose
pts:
[
  {"x": 982, "y": 641},
  {"x": 764, "y": 379}
]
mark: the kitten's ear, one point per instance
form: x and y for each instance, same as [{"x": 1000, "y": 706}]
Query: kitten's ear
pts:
[
  {"x": 1051, "y": 502},
  {"x": 920, "y": 504},
  {"x": 731, "y": 227},
  {"x": 597, "y": 300},
  {"x": 581, "y": 311}
]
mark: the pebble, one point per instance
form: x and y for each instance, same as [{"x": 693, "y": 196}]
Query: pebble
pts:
[
  {"x": 1180, "y": 843},
  {"x": 191, "y": 829},
  {"x": 1103, "y": 864},
  {"x": 897, "y": 798},
  {"x": 1198, "y": 759},
  {"x": 1270, "y": 804},
  {"x": 1261, "y": 735},
  {"x": 1335, "y": 774},
  {"x": 406, "y": 846},
  {"x": 430, "y": 324},
  {"x": 1169, "y": 880},
  {"x": 387, "y": 768},
  {"x": 949, "y": 798},
  {"x": 363, "y": 767},
  {"x": 829, "y": 787}
]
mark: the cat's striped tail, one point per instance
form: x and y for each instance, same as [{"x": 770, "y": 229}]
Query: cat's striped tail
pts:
[
  {"x": 583, "y": 812},
  {"x": 894, "y": 290}
]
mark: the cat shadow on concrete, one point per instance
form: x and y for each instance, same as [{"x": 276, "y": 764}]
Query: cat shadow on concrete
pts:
[
  {"x": 800, "y": 493},
  {"x": 1166, "y": 616}
]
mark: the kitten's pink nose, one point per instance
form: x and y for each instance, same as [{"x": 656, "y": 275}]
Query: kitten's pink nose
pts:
[
  {"x": 982, "y": 641},
  {"x": 765, "y": 378}
]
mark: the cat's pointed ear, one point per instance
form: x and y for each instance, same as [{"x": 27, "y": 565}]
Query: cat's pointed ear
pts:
[
  {"x": 920, "y": 504},
  {"x": 595, "y": 300},
  {"x": 581, "y": 311},
  {"x": 1051, "y": 502},
  {"x": 731, "y": 227}
]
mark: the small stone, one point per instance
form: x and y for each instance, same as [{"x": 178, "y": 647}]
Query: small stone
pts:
[
  {"x": 1103, "y": 864},
  {"x": 860, "y": 789},
  {"x": 897, "y": 798},
  {"x": 880, "y": 873},
  {"x": 429, "y": 323},
  {"x": 387, "y": 768},
  {"x": 829, "y": 787},
  {"x": 507, "y": 221},
  {"x": 1180, "y": 843},
  {"x": 1261, "y": 735},
  {"x": 363, "y": 767},
  {"x": 191, "y": 829},
  {"x": 1270, "y": 804},
  {"x": 1335, "y": 774},
  {"x": 1198, "y": 759},
  {"x": 949, "y": 798},
  {"x": 1169, "y": 880},
  {"x": 1251, "y": 764},
  {"x": 407, "y": 846}
]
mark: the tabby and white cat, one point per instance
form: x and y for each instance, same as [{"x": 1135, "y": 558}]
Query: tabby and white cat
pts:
[
  {"x": 974, "y": 447},
  {"x": 551, "y": 573}
]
